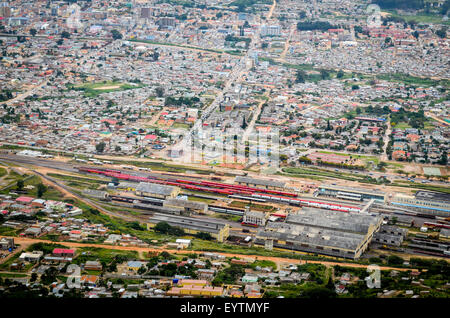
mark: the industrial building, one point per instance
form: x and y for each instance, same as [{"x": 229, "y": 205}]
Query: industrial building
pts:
[
  {"x": 348, "y": 193},
  {"x": 217, "y": 229},
  {"x": 427, "y": 202},
  {"x": 188, "y": 206},
  {"x": 323, "y": 232},
  {"x": 259, "y": 183},
  {"x": 255, "y": 218},
  {"x": 145, "y": 189},
  {"x": 390, "y": 235},
  {"x": 270, "y": 30}
]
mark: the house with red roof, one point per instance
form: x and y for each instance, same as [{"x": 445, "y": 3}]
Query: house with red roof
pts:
[
  {"x": 24, "y": 200},
  {"x": 63, "y": 252}
]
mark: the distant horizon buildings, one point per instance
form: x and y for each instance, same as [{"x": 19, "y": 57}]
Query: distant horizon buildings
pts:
[
  {"x": 5, "y": 10},
  {"x": 270, "y": 30}
]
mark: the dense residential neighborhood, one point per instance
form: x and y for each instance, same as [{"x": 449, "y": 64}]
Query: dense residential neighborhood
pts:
[{"x": 239, "y": 149}]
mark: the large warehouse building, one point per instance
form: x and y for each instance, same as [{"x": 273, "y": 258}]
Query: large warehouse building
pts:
[
  {"x": 427, "y": 202},
  {"x": 160, "y": 191},
  {"x": 219, "y": 230},
  {"x": 319, "y": 231},
  {"x": 348, "y": 193},
  {"x": 260, "y": 183}
]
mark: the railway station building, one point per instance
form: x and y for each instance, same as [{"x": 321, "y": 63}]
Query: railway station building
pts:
[
  {"x": 345, "y": 235},
  {"x": 427, "y": 202},
  {"x": 349, "y": 193},
  {"x": 260, "y": 183},
  {"x": 220, "y": 231},
  {"x": 160, "y": 191},
  {"x": 188, "y": 206}
]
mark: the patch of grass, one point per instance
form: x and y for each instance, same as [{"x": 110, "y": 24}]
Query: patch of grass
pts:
[
  {"x": 102, "y": 255},
  {"x": 253, "y": 206},
  {"x": 95, "y": 89}
]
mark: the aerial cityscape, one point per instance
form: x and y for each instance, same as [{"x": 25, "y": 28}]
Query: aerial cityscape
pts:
[{"x": 224, "y": 149}]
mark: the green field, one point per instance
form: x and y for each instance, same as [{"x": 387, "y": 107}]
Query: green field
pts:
[{"x": 95, "y": 89}]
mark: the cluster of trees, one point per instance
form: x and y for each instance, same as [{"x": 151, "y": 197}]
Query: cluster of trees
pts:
[
  {"x": 188, "y": 101},
  {"x": 377, "y": 110},
  {"x": 166, "y": 228},
  {"x": 340, "y": 165},
  {"x": 317, "y": 25},
  {"x": 5, "y": 95},
  {"x": 401, "y": 4},
  {"x": 229, "y": 275},
  {"x": 442, "y": 32},
  {"x": 243, "y": 5},
  {"x": 414, "y": 119},
  {"x": 100, "y": 147},
  {"x": 116, "y": 35}
]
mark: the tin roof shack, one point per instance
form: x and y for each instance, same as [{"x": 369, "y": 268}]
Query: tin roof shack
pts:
[
  {"x": 217, "y": 229},
  {"x": 159, "y": 191},
  {"x": 320, "y": 231}
]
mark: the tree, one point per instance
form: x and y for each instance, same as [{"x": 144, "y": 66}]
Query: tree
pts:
[
  {"x": 244, "y": 123},
  {"x": 142, "y": 270},
  {"x": 394, "y": 260},
  {"x": 204, "y": 236},
  {"x": 100, "y": 147},
  {"x": 340, "y": 74},
  {"x": 324, "y": 74},
  {"x": 300, "y": 76},
  {"x": 116, "y": 35},
  {"x": 442, "y": 32},
  {"x": 20, "y": 185},
  {"x": 65, "y": 35},
  {"x": 444, "y": 159},
  {"x": 117, "y": 149},
  {"x": 33, "y": 32},
  {"x": 159, "y": 91},
  {"x": 41, "y": 189}
]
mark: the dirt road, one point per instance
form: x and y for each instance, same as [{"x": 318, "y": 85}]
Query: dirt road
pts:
[{"x": 140, "y": 250}]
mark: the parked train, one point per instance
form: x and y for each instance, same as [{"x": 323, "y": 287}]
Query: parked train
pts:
[
  {"x": 309, "y": 203},
  {"x": 226, "y": 189}
]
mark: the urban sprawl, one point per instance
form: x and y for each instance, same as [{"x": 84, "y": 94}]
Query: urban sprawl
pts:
[{"x": 224, "y": 148}]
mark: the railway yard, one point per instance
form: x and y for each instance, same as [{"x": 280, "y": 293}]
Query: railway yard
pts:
[{"x": 246, "y": 211}]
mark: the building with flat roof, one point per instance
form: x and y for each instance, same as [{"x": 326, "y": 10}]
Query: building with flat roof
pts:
[
  {"x": 259, "y": 183},
  {"x": 188, "y": 206},
  {"x": 217, "y": 229},
  {"x": 432, "y": 203},
  {"x": 319, "y": 231},
  {"x": 145, "y": 189},
  {"x": 255, "y": 218},
  {"x": 350, "y": 193}
]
